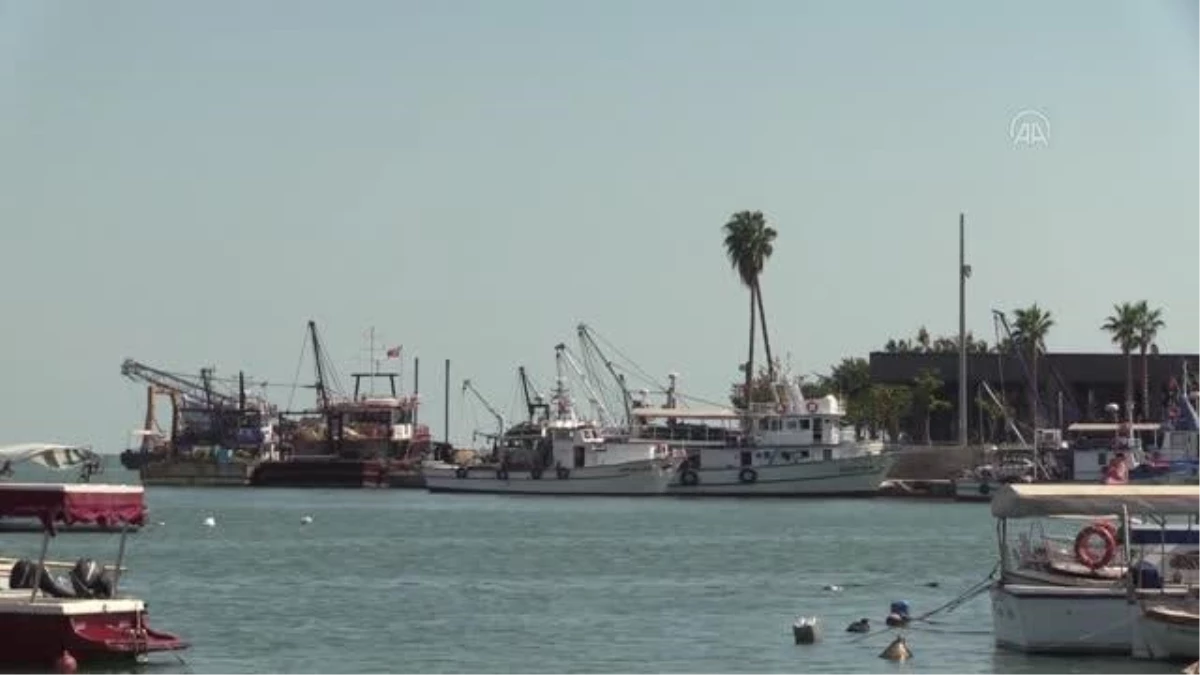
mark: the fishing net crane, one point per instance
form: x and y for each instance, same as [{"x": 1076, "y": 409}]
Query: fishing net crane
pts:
[{"x": 468, "y": 387}]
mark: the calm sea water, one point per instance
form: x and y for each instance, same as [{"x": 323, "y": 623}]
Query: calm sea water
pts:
[{"x": 404, "y": 581}]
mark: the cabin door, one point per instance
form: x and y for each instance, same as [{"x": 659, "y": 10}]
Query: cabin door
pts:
[
  {"x": 747, "y": 458},
  {"x": 580, "y": 453},
  {"x": 817, "y": 430}
]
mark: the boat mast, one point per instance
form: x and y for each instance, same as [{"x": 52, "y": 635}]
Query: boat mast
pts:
[{"x": 964, "y": 272}]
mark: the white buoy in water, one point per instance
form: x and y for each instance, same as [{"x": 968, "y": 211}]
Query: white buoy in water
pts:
[
  {"x": 834, "y": 588},
  {"x": 897, "y": 651},
  {"x": 805, "y": 630},
  {"x": 306, "y": 520},
  {"x": 209, "y": 522}
]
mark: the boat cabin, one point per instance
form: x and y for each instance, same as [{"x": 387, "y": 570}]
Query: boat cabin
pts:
[{"x": 811, "y": 422}]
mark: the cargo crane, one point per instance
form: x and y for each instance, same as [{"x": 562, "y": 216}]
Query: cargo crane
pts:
[{"x": 200, "y": 413}]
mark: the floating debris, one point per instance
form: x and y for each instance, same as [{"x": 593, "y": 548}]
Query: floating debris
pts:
[
  {"x": 806, "y": 630},
  {"x": 306, "y": 520},
  {"x": 860, "y": 626},
  {"x": 834, "y": 588},
  {"x": 209, "y": 522},
  {"x": 897, "y": 651},
  {"x": 898, "y": 614}
]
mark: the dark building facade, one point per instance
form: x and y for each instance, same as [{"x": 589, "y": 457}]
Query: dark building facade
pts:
[{"x": 1072, "y": 387}]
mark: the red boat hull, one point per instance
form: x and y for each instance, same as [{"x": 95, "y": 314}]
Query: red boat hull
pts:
[{"x": 40, "y": 637}]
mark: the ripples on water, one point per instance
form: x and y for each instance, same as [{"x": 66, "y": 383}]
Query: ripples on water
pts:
[{"x": 404, "y": 581}]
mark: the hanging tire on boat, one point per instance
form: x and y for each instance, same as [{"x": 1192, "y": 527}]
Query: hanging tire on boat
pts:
[
  {"x": 562, "y": 472},
  {"x": 536, "y": 473},
  {"x": 1083, "y": 552},
  {"x": 811, "y": 406},
  {"x": 689, "y": 478},
  {"x": 748, "y": 475},
  {"x": 460, "y": 472}
]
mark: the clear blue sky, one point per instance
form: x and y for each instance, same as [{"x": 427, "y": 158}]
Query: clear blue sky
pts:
[{"x": 188, "y": 183}]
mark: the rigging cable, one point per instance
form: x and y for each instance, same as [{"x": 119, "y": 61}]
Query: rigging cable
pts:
[{"x": 299, "y": 363}]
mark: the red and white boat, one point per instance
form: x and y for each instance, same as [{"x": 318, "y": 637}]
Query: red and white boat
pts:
[{"x": 47, "y": 620}]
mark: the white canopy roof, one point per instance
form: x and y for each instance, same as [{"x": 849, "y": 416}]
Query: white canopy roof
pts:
[
  {"x": 51, "y": 455},
  {"x": 1040, "y": 500},
  {"x": 685, "y": 413}
]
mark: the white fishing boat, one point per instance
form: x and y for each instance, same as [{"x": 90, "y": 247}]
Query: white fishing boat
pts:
[
  {"x": 561, "y": 454},
  {"x": 1071, "y": 596},
  {"x": 560, "y": 460},
  {"x": 795, "y": 448}
]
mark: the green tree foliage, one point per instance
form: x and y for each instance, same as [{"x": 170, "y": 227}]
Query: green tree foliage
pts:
[{"x": 926, "y": 398}]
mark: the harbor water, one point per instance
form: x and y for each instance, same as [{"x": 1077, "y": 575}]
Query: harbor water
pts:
[{"x": 404, "y": 581}]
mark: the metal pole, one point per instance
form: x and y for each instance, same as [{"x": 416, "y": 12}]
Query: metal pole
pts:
[
  {"x": 416, "y": 389},
  {"x": 446, "y": 404},
  {"x": 963, "y": 272}
]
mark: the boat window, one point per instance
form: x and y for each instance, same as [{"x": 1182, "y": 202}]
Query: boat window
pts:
[
  {"x": 828, "y": 454},
  {"x": 803, "y": 454},
  {"x": 786, "y": 456},
  {"x": 804, "y": 424},
  {"x": 1101, "y": 458},
  {"x": 764, "y": 424},
  {"x": 775, "y": 424},
  {"x": 792, "y": 424}
]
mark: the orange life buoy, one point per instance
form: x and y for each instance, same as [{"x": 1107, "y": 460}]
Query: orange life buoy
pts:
[
  {"x": 811, "y": 406},
  {"x": 1084, "y": 554}
]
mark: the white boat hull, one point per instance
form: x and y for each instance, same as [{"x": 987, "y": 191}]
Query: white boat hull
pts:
[
  {"x": 1160, "y": 640},
  {"x": 1047, "y": 619},
  {"x": 647, "y": 478},
  {"x": 851, "y": 476},
  {"x": 1038, "y": 619}
]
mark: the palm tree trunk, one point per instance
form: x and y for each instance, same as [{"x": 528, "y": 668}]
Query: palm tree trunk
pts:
[
  {"x": 1128, "y": 383},
  {"x": 750, "y": 358},
  {"x": 762, "y": 318},
  {"x": 1145, "y": 384},
  {"x": 1035, "y": 408}
]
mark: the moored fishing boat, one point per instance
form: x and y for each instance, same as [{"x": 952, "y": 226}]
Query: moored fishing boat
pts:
[
  {"x": 796, "y": 448},
  {"x": 87, "y": 618},
  {"x": 560, "y": 455},
  {"x": 1055, "y": 596}
]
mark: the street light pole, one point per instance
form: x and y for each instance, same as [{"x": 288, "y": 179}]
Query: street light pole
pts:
[{"x": 964, "y": 272}]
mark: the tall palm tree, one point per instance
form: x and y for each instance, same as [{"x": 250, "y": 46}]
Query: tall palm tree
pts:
[
  {"x": 1030, "y": 327},
  {"x": 1149, "y": 322},
  {"x": 1122, "y": 324},
  {"x": 749, "y": 243}
]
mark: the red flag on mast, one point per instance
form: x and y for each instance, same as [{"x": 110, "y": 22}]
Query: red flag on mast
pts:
[{"x": 394, "y": 353}]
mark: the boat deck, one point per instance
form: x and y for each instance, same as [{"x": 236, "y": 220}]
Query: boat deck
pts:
[{"x": 18, "y": 602}]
